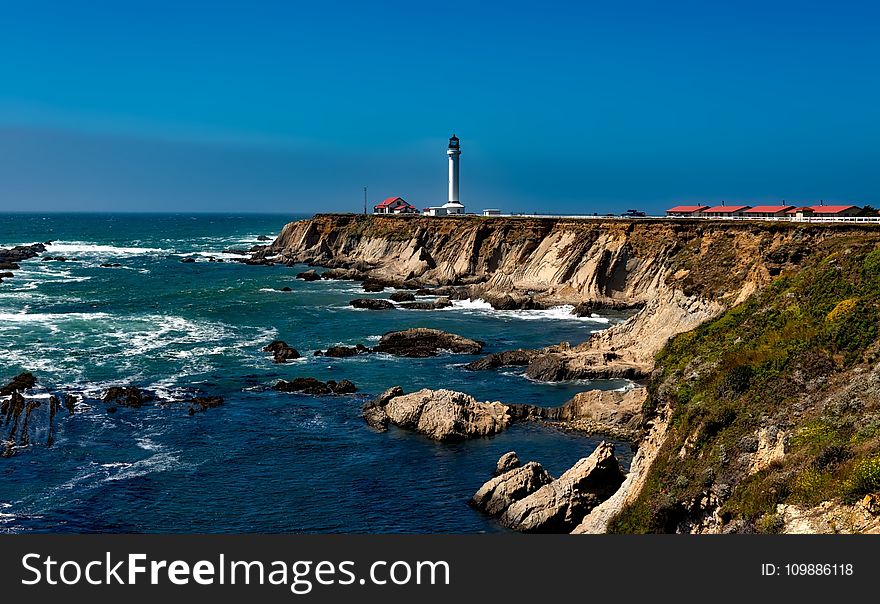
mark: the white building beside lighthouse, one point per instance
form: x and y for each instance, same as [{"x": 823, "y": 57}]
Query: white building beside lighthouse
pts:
[{"x": 453, "y": 151}]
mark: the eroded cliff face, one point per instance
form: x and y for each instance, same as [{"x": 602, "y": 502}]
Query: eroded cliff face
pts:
[{"x": 679, "y": 273}]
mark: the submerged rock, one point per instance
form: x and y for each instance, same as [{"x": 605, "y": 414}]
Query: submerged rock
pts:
[
  {"x": 499, "y": 493},
  {"x": 310, "y": 385},
  {"x": 372, "y": 286},
  {"x": 421, "y": 342},
  {"x": 187, "y": 260},
  {"x": 127, "y": 396},
  {"x": 281, "y": 352},
  {"x": 203, "y": 403},
  {"x": 372, "y": 304},
  {"x": 558, "y": 507},
  {"x": 443, "y": 415}
]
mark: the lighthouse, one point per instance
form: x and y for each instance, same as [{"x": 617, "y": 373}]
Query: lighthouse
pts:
[{"x": 453, "y": 151}]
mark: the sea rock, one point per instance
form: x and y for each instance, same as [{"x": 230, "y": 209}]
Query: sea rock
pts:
[
  {"x": 446, "y": 415},
  {"x": 127, "y": 396},
  {"x": 499, "y": 493},
  {"x": 110, "y": 265},
  {"x": 398, "y": 296},
  {"x": 286, "y": 289},
  {"x": 20, "y": 383},
  {"x": 615, "y": 413},
  {"x": 439, "y": 303},
  {"x": 560, "y": 506},
  {"x": 370, "y": 285},
  {"x": 281, "y": 352},
  {"x": 188, "y": 260},
  {"x": 506, "y": 462},
  {"x": 374, "y": 411},
  {"x": 310, "y": 385},
  {"x": 584, "y": 309},
  {"x": 507, "y": 358},
  {"x": 342, "y": 351},
  {"x": 309, "y": 275},
  {"x": 203, "y": 403},
  {"x": 263, "y": 238},
  {"x": 6, "y": 275},
  {"x": 511, "y": 301},
  {"x": 421, "y": 342},
  {"x": 372, "y": 304}
]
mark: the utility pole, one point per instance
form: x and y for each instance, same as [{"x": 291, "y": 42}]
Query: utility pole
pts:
[{"x": 365, "y": 201}]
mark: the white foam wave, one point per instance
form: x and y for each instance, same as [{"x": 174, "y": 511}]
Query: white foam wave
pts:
[
  {"x": 557, "y": 313},
  {"x": 86, "y": 248}
]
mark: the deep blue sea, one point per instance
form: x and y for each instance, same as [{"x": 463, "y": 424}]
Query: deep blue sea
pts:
[{"x": 264, "y": 461}]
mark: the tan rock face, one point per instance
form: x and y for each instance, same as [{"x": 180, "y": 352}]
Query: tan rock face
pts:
[
  {"x": 496, "y": 495},
  {"x": 562, "y": 504},
  {"x": 447, "y": 415}
]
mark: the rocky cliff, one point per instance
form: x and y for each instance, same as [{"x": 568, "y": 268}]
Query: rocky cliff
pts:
[{"x": 748, "y": 332}]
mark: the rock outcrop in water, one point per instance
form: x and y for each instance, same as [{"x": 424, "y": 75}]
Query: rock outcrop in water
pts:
[
  {"x": 281, "y": 352},
  {"x": 443, "y": 415},
  {"x": 372, "y": 304},
  {"x": 528, "y": 499},
  {"x": 127, "y": 396},
  {"x": 421, "y": 342},
  {"x": 310, "y": 385},
  {"x": 11, "y": 257}
]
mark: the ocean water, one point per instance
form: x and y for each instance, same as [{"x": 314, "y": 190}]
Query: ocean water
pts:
[{"x": 264, "y": 461}]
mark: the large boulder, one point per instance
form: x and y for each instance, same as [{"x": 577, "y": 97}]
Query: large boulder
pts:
[
  {"x": 372, "y": 304},
  {"x": 560, "y": 506},
  {"x": 281, "y": 352},
  {"x": 446, "y": 415},
  {"x": 499, "y": 493},
  {"x": 421, "y": 342}
]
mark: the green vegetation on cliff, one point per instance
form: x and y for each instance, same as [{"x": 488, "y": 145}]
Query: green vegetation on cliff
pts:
[{"x": 796, "y": 359}]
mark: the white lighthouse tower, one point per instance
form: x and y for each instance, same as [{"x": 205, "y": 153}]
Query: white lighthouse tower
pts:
[{"x": 453, "y": 206}]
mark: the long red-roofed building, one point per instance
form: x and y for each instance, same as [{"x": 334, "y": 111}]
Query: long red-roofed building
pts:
[
  {"x": 686, "y": 211},
  {"x": 779, "y": 211},
  {"x": 724, "y": 211}
]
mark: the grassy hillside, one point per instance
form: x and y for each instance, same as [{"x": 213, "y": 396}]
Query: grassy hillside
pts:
[{"x": 796, "y": 358}]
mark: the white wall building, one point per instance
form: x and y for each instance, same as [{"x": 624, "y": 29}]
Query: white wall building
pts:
[{"x": 453, "y": 206}]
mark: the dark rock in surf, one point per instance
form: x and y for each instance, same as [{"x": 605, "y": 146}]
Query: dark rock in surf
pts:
[
  {"x": 342, "y": 352},
  {"x": 310, "y": 275},
  {"x": 310, "y": 385},
  {"x": 402, "y": 297},
  {"x": 187, "y": 260},
  {"x": 203, "y": 403},
  {"x": 442, "y": 302},
  {"x": 281, "y": 352},
  {"x": 421, "y": 342},
  {"x": 371, "y": 304},
  {"x": 127, "y": 396},
  {"x": 507, "y": 358},
  {"x": 20, "y": 383}
]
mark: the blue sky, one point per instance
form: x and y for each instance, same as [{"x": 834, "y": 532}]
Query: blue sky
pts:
[{"x": 561, "y": 106}]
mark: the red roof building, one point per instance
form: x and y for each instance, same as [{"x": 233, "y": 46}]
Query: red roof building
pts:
[
  {"x": 840, "y": 210},
  {"x": 767, "y": 211},
  {"x": 724, "y": 211},
  {"x": 395, "y": 205},
  {"x": 686, "y": 211}
]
